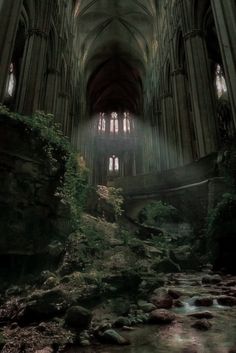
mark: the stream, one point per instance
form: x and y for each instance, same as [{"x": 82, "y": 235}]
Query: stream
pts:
[{"x": 180, "y": 336}]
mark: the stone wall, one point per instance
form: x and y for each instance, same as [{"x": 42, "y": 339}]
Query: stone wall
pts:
[
  {"x": 193, "y": 190},
  {"x": 31, "y": 216}
]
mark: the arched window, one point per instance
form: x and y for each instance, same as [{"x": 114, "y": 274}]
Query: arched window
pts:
[
  {"x": 126, "y": 123},
  {"x": 114, "y": 164},
  {"x": 220, "y": 82},
  {"x": 102, "y": 123},
  {"x": 114, "y": 124},
  {"x": 11, "y": 82}
]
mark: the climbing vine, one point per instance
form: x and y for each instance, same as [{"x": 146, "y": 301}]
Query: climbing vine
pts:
[{"x": 74, "y": 183}]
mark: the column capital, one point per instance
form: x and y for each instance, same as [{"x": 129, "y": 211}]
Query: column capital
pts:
[{"x": 193, "y": 33}]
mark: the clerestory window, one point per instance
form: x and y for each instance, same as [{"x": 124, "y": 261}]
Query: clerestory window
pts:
[
  {"x": 126, "y": 123},
  {"x": 11, "y": 82},
  {"x": 102, "y": 123},
  {"x": 114, "y": 123},
  {"x": 220, "y": 82}
]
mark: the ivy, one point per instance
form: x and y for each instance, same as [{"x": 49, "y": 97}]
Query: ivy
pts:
[
  {"x": 157, "y": 212},
  {"x": 74, "y": 183}
]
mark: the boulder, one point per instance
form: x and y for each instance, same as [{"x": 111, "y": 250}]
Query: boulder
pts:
[
  {"x": 122, "y": 321},
  {"x": 226, "y": 300},
  {"x": 78, "y": 317},
  {"x": 50, "y": 283},
  {"x": 178, "y": 303},
  {"x": 211, "y": 279},
  {"x": 161, "y": 299},
  {"x": 113, "y": 337},
  {"x": 184, "y": 257},
  {"x": 174, "y": 293},
  {"x": 147, "y": 307},
  {"x": 161, "y": 316},
  {"x": 202, "y": 324},
  {"x": 202, "y": 315},
  {"x": 204, "y": 301},
  {"x": 44, "y": 305}
]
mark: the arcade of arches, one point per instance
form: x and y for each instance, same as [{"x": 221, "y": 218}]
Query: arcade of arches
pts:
[
  {"x": 169, "y": 64},
  {"x": 145, "y": 91}
]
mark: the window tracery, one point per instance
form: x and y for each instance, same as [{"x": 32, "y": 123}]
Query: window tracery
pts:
[
  {"x": 102, "y": 123},
  {"x": 113, "y": 164},
  {"x": 114, "y": 124}
]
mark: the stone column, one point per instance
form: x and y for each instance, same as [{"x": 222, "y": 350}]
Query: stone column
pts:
[
  {"x": 163, "y": 135},
  {"x": 182, "y": 110},
  {"x": 32, "y": 72},
  {"x": 201, "y": 92},
  {"x": 172, "y": 133},
  {"x": 224, "y": 12},
  {"x": 51, "y": 91},
  {"x": 9, "y": 18}
]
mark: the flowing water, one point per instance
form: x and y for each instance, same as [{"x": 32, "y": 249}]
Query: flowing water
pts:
[{"x": 180, "y": 337}]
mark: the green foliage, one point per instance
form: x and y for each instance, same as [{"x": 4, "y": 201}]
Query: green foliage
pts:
[
  {"x": 94, "y": 238},
  {"x": 162, "y": 242},
  {"x": 74, "y": 183},
  {"x": 126, "y": 237},
  {"x": 113, "y": 197},
  {"x": 116, "y": 200},
  {"x": 42, "y": 124},
  {"x": 74, "y": 189},
  {"x": 221, "y": 217},
  {"x": 157, "y": 212},
  {"x": 221, "y": 221}
]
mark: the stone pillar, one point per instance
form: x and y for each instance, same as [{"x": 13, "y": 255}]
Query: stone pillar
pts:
[
  {"x": 224, "y": 12},
  {"x": 201, "y": 92},
  {"x": 172, "y": 133},
  {"x": 32, "y": 72},
  {"x": 163, "y": 143},
  {"x": 9, "y": 18},
  {"x": 182, "y": 111},
  {"x": 65, "y": 113},
  {"x": 51, "y": 91}
]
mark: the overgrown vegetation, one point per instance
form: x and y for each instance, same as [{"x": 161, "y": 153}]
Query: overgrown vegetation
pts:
[
  {"x": 74, "y": 185},
  {"x": 113, "y": 197},
  {"x": 221, "y": 222},
  {"x": 157, "y": 212}
]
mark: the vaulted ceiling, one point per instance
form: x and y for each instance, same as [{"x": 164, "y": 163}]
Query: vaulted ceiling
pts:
[{"x": 115, "y": 38}]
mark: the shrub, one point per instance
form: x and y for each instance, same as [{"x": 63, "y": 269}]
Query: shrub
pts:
[
  {"x": 221, "y": 222},
  {"x": 157, "y": 212}
]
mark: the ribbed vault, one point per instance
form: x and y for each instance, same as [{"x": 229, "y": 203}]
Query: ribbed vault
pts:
[{"x": 115, "y": 38}]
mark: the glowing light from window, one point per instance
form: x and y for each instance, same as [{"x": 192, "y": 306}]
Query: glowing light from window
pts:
[
  {"x": 102, "y": 123},
  {"x": 114, "y": 124},
  {"x": 126, "y": 123},
  {"x": 114, "y": 164},
  {"x": 11, "y": 83},
  {"x": 220, "y": 82}
]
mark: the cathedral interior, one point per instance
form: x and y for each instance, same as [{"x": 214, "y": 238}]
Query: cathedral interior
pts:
[{"x": 118, "y": 175}]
